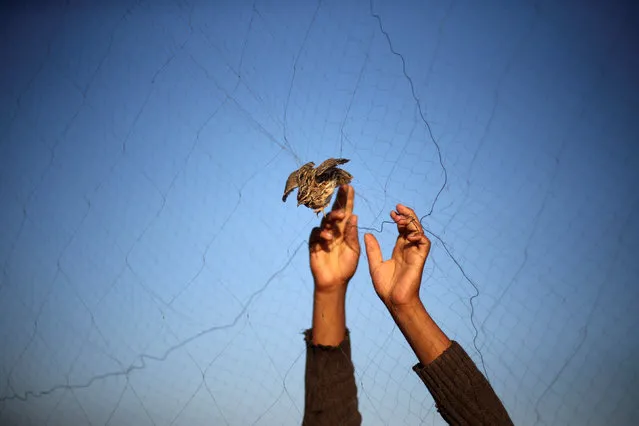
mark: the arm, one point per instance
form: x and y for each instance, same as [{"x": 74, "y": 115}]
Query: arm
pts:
[
  {"x": 461, "y": 392},
  {"x": 330, "y": 390}
]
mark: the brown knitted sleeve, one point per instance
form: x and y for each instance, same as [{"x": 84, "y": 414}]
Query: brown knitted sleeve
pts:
[
  {"x": 330, "y": 390},
  {"x": 461, "y": 392}
]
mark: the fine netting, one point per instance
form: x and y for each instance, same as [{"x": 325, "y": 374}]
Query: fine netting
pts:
[{"x": 150, "y": 273}]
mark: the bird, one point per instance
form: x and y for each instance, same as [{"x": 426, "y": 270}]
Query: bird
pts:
[{"x": 315, "y": 186}]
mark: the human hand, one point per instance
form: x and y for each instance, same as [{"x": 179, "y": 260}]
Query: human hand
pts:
[
  {"x": 334, "y": 246},
  {"x": 397, "y": 279}
]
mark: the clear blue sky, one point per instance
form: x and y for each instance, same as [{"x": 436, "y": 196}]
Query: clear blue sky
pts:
[{"x": 151, "y": 275}]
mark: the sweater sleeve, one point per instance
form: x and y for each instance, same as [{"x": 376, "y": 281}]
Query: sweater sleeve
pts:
[
  {"x": 461, "y": 392},
  {"x": 330, "y": 390}
]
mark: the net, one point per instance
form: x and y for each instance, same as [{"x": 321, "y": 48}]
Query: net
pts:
[{"x": 150, "y": 273}]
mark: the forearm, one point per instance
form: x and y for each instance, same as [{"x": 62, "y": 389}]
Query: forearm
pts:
[
  {"x": 330, "y": 389},
  {"x": 329, "y": 385},
  {"x": 423, "y": 335},
  {"x": 461, "y": 392},
  {"x": 329, "y": 317}
]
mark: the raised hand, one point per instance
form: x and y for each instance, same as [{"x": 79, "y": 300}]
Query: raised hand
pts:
[
  {"x": 397, "y": 280},
  {"x": 334, "y": 246}
]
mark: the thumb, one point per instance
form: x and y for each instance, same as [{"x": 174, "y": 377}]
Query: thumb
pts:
[
  {"x": 373, "y": 252},
  {"x": 350, "y": 233}
]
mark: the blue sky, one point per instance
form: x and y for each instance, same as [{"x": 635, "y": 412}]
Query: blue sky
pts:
[{"x": 152, "y": 275}]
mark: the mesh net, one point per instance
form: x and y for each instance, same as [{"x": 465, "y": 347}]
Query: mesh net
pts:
[{"x": 150, "y": 273}]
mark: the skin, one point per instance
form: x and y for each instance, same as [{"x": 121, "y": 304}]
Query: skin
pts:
[{"x": 334, "y": 255}]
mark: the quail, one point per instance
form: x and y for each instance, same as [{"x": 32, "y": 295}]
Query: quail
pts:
[{"x": 315, "y": 186}]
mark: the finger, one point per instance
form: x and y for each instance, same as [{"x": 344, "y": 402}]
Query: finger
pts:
[
  {"x": 418, "y": 238},
  {"x": 341, "y": 199},
  {"x": 335, "y": 215},
  {"x": 373, "y": 252},
  {"x": 314, "y": 239},
  {"x": 414, "y": 237},
  {"x": 402, "y": 209},
  {"x": 332, "y": 225},
  {"x": 400, "y": 220},
  {"x": 350, "y": 198},
  {"x": 350, "y": 233},
  {"x": 327, "y": 234},
  {"x": 412, "y": 224},
  {"x": 345, "y": 199},
  {"x": 332, "y": 220},
  {"x": 421, "y": 241},
  {"x": 317, "y": 242}
]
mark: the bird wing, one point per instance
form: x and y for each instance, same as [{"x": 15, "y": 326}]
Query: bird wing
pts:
[
  {"x": 342, "y": 177},
  {"x": 291, "y": 184},
  {"x": 329, "y": 164}
]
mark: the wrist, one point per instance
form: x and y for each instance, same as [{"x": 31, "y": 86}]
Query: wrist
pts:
[
  {"x": 329, "y": 316},
  {"x": 406, "y": 308},
  {"x": 330, "y": 296},
  {"x": 330, "y": 289},
  {"x": 424, "y": 336}
]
